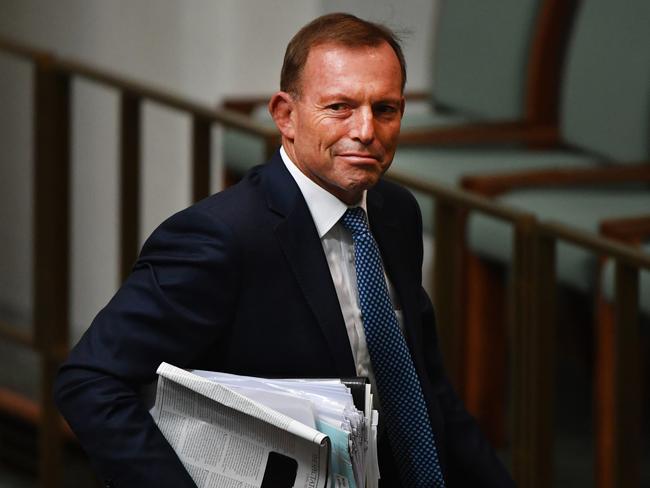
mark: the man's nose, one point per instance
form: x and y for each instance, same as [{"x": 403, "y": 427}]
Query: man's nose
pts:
[{"x": 363, "y": 128}]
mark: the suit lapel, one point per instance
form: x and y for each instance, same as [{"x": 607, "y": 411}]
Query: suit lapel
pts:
[
  {"x": 303, "y": 250},
  {"x": 384, "y": 223}
]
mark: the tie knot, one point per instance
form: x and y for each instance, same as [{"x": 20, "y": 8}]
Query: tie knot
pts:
[{"x": 354, "y": 219}]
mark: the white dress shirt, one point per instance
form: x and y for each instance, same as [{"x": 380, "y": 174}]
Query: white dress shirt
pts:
[{"x": 327, "y": 210}]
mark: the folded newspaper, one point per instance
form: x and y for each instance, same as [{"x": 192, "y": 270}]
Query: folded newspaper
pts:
[{"x": 245, "y": 432}]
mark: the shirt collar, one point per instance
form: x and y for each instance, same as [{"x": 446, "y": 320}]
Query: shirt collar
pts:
[{"x": 325, "y": 208}]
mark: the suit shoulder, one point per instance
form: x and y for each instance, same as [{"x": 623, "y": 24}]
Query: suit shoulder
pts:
[
  {"x": 228, "y": 206},
  {"x": 396, "y": 194}
]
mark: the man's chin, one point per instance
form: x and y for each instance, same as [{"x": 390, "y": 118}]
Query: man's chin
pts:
[{"x": 360, "y": 185}]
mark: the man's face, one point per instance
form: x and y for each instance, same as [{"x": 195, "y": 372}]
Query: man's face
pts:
[{"x": 345, "y": 122}]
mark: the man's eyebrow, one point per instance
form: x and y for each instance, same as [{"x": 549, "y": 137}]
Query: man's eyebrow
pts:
[
  {"x": 328, "y": 97},
  {"x": 396, "y": 101},
  {"x": 342, "y": 97}
]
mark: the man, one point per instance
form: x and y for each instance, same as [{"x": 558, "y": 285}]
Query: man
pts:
[{"x": 276, "y": 276}]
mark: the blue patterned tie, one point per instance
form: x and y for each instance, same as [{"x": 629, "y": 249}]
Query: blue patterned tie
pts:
[{"x": 400, "y": 393}]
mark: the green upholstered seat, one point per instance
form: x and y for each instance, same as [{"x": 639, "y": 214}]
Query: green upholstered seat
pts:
[
  {"x": 644, "y": 285},
  {"x": 604, "y": 112},
  {"x": 448, "y": 165},
  {"x": 607, "y": 35},
  {"x": 606, "y": 90},
  {"x": 481, "y": 56},
  {"x": 581, "y": 209},
  {"x": 480, "y": 63},
  {"x": 606, "y": 100}
]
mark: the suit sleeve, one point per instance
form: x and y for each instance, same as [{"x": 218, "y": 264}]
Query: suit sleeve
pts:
[{"x": 177, "y": 301}]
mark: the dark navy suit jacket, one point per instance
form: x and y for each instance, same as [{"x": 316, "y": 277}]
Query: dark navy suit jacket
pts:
[{"x": 239, "y": 283}]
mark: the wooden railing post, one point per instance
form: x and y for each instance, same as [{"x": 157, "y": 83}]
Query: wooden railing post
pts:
[
  {"x": 627, "y": 409},
  {"x": 201, "y": 155},
  {"x": 130, "y": 156},
  {"x": 533, "y": 356},
  {"x": 520, "y": 318},
  {"x": 449, "y": 230},
  {"x": 51, "y": 249}
]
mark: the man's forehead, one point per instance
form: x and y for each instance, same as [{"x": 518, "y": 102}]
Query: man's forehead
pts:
[
  {"x": 336, "y": 56},
  {"x": 325, "y": 48}
]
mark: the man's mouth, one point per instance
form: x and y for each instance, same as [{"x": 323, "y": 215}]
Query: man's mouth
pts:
[{"x": 360, "y": 157}]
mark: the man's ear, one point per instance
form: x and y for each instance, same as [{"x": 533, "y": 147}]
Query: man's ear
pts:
[{"x": 281, "y": 107}]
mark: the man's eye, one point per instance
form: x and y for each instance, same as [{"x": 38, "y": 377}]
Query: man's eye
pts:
[
  {"x": 386, "y": 109},
  {"x": 337, "y": 107}
]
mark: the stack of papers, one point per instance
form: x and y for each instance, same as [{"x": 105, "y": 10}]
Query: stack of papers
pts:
[{"x": 340, "y": 448}]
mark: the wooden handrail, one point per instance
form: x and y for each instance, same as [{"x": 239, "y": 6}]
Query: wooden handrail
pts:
[
  {"x": 17, "y": 335},
  {"x": 598, "y": 244},
  {"x": 459, "y": 197},
  {"x": 21, "y": 50},
  {"x": 632, "y": 230},
  {"x": 28, "y": 410},
  {"x": 227, "y": 117}
]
